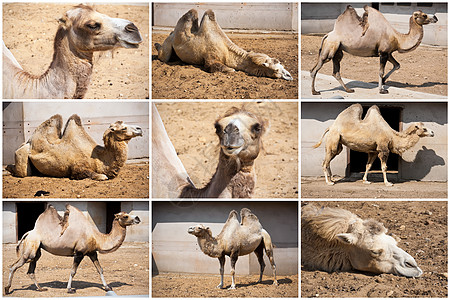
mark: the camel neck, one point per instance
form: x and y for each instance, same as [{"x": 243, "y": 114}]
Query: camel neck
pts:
[
  {"x": 404, "y": 140},
  {"x": 209, "y": 245},
  {"x": 411, "y": 40},
  {"x": 110, "y": 242}
]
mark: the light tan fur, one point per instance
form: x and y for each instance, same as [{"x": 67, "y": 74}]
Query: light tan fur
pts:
[
  {"x": 372, "y": 135},
  {"x": 81, "y": 32},
  {"x": 239, "y": 132},
  {"x": 236, "y": 239},
  {"x": 335, "y": 239},
  {"x": 371, "y": 35},
  {"x": 208, "y": 45},
  {"x": 74, "y": 235},
  {"x": 73, "y": 153}
]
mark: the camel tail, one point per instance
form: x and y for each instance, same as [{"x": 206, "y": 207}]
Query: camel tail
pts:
[
  {"x": 320, "y": 50},
  {"x": 323, "y": 135},
  {"x": 20, "y": 242}
]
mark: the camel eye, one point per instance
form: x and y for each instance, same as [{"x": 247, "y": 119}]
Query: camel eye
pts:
[
  {"x": 256, "y": 128},
  {"x": 376, "y": 253},
  {"x": 93, "y": 25}
]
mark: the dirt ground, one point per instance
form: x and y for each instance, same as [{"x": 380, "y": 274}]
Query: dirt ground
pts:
[
  {"x": 191, "y": 129},
  {"x": 172, "y": 285},
  {"x": 312, "y": 187},
  {"x": 123, "y": 74},
  {"x": 422, "y": 70},
  {"x": 132, "y": 182},
  {"x": 176, "y": 80},
  {"x": 126, "y": 271},
  {"x": 422, "y": 227}
]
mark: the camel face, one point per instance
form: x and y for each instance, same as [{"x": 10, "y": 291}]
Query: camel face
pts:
[
  {"x": 124, "y": 132},
  {"x": 276, "y": 69},
  {"x": 423, "y": 19},
  {"x": 422, "y": 131},
  {"x": 93, "y": 31},
  {"x": 198, "y": 230},
  {"x": 126, "y": 219}
]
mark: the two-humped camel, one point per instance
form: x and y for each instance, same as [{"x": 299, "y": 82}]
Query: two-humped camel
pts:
[
  {"x": 208, "y": 45},
  {"x": 239, "y": 132},
  {"x": 371, "y": 135},
  {"x": 236, "y": 239},
  {"x": 73, "y": 153},
  {"x": 371, "y": 35},
  {"x": 335, "y": 239},
  {"x": 81, "y": 32},
  {"x": 71, "y": 235}
]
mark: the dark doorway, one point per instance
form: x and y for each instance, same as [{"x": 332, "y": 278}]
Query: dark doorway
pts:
[
  {"x": 358, "y": 160},
  {"x": 112, "y": 207},
  {"x": 27, "y": 214}
]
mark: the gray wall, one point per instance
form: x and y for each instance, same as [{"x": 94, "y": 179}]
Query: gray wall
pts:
[
  {"x": 426, "y": 161},
  {"x": 239, "y": 15},
  {"x": 320, "y": 18},
  {"x": 96, "y": 213},
  {"x": 20, "y": 119},
  {"x": 174, "y": 250}
]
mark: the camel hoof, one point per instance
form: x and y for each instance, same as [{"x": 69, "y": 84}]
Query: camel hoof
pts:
[
  {"x": 108, "y": 289},
  {"x": 315, "y": 93},
  {"x": 388, "y": 184},
  {"x": 220, "y": 286},
  {"x": 71, "y": 291},
  {"x": 232, "y": 287},
  {"x": 275, "y": 283},
  {"x": 384, "y": 92},
  {"x": 350, "y": 90},
  {"x": 42, "y": 289},
  {"x": 7, "y": 292},
  {"x": 330, "y": 183},
  {"x": 367, "y": 182}
]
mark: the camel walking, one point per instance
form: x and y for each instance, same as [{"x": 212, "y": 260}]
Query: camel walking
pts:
[
  {"x": 371, "y": 135},
  {"x": 237, "y": 239},
  {"x": 81, "y": 32},
  {"x": 72, "y": 235},
  {"x": 73, "y": 153},
  {"x": 208, "y": 45},
  {"x": 369, "y": 36}
]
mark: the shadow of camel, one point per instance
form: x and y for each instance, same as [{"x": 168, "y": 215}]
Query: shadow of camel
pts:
[
  {"x": 76, "y": 284},
  {"x": 422, "y": 164},
  {"x": 264, "y": 282}
]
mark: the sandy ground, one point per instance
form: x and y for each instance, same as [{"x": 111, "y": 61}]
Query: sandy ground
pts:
[
  {"x": 176, "y": 80},
  {"x": 191, "y": 129},
  {"x": 422, "y": 227},
  {"x": 423, "y": 70},
  {"x": 132, "y": 182},
  {"x": 201, "y": 286},
  {"x": 29, "y": 35},
  {"x": 126, "y": 271},
  {"x": 312, "y": 187}
]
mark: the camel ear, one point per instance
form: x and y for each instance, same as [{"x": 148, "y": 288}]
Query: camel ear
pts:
[
  {"x": 64, "y": 22},
  {"x": 347, "y": 238},
  {"x": 118, "y": 216},
  {"x": 265, "y": 65}
]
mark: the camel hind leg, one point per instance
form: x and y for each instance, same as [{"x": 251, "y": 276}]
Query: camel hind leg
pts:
[
  {"x": 260, "y": 255},
  {"x": 332, "y": 149},
  {"x": 269, "y": 252},
  {"x": 370, "y": 160},
  {"x": 326, "y": 52}
]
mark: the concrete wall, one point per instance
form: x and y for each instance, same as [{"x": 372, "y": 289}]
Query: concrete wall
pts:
[
  {"x": 20, "y": 119},
  {"x": 320, "y": 18},
  {"x": 174, "y": 250},
  {"x": 96, "y": 213},
  {"x": 426, "y": 161},
  {"x": 238, "y": 15}
]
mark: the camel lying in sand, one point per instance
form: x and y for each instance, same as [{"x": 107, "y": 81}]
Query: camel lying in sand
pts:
[
  {"x": 236, "y": 239},
  {"x": 81, "y": 32},
  {"x": 74, "y": 235},
  {"x": 73, "y": 153},
  {"x": 335, "y": 239},
  {"x": 239, "y": 133},
  {"x": 371, "y": 35},
  {"x": 372, "y": 135},
  {"x": 208, "y": 45}
]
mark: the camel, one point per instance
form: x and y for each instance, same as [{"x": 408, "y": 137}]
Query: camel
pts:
[
  {"x": 335, "y": 239},
  {"x": 208, "y": 45},
  {"x": 73, "y": 153},
  {"x": 369, "y": 36},
  {"x": 372, "y": 135},
  {"x": 239, "y": 132},
  {"x": 236, "y": 239},
  {"x": 81, "y": 32},
  {"x": 71, "y": 235}
]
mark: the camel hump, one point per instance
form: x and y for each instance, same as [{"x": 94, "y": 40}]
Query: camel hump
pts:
[
  {"x": 233, "y": 215},
  {"x": 247, "y": 216},
  {"x": 76, "y": 118},
  {"x": 210, "y": 15}
]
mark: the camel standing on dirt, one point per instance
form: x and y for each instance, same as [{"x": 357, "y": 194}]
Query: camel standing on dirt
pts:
[
  {"x": 73, "y": 153},
  {"x": 236, "y": 239},
  {"x": 81, "y": 32},
  {"x": 371, "y": 35},
  {"x": 239, "y": 132},
  {"x": 74, "y": 235},
  {"x": 335, "y": 239},
  {"x": 373, "y": 135},
  {"x": 208, "y": 45}
]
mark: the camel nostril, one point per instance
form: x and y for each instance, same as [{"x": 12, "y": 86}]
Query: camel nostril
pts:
[{"x": 131, "y": 28}]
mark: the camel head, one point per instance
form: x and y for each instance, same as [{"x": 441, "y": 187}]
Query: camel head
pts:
[
  {"x": 119, "y": 131},
  {"x": 421, "y": 18},
  {"x": 372, "y": 250},
  {"x": 422, "y": 131},
  {"x": 269, "y": 67},
  {"x": 125, "y": 219},
  {"x": 240, "y": 134},
  {"x": 200, "y": 231},
  {"x": 91, "y": 31}
]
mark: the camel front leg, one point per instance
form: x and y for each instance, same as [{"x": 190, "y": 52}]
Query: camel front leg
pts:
[
  {"x": 370, "y": 160},
  {"x": 22, "y": 166},
  {"x": 383, "y": 156},
  {"x": 234, "y": 257},
  {"x": 76, "y": 262},
  {"x": 260, "y": 255},
  {"x": 395, "y": 67},
  {"x": 94, "y": 258},
  {"x": 383, "y": 60},
  {"x": 222, "y": 268},
  {"x": 165, "y": 50},
  {"x": 337, "y": 70},
  {"x": 214, "y": 65}
]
